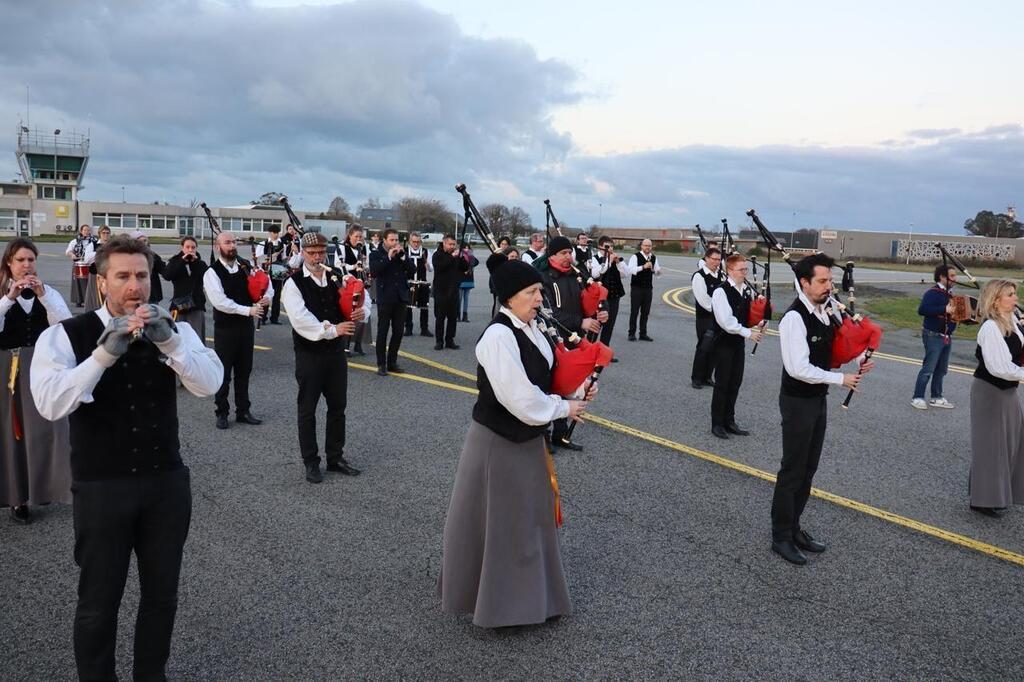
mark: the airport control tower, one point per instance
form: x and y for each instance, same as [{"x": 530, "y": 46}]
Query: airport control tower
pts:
[{"x": 52, "y": 166}]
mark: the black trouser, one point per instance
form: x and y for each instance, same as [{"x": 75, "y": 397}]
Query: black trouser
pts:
[
  {"x": 803, "y": 432},
  {"x": 321, "y": 374},
  {"x": 233, "y": 345},
  {"x": 704, "y": 355},
  {"x": 639, "y": 303},
  {"x": 389, "y": 316},
  {"x": 423, "y": 320},
  {"x": 275, "y": 302},
  {"x": 559, "y": 429},
  {"x": 729, "y": 360},
  {"x": 357, "y": 336},
  {"x": 612, "y": 305},
  {"x": 446, "y": 318},
  {"x": 149, "y": 515}
]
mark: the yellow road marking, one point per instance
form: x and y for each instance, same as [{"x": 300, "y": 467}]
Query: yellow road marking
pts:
[
  {"x": 415, "y": 377},
  {"x": 673, "y": 297},
  {"x": 256, "y": 347}
]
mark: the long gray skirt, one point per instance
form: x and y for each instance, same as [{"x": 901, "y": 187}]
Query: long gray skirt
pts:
[
  {"x": 197, "y": 320},
  {"x": 36, "y": 469},
  {"x": 92, "y": 294},
  {"x": 78, "y": 287},
  {"x": 997, "y": 442},
  {"x": 501, "y": 559}
]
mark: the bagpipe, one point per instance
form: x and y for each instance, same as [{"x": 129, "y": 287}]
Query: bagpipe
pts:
[
  {"x": 214, "y": 229},
  {"x": 583, "y": 362},
  {"x": 853, "y": 334},
  {"x": 258, "y": 281}
]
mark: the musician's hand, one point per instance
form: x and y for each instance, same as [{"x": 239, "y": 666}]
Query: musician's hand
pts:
[
  {"x": 949, "y": 308},
  {"x": 756, "y": 334},
  {"x": 359, "y": 314},
  {"x": 37, "y": 285},
  {"x": 591, "y": 392},
  {"x": 576, "y": 409},
  {"x": 591, "y": 325},
  {"x": 867, "y": 366},
  {"x": 602, "y": 316},
  {"x": 851, "y": 381},
  {"x": 256, "y": 310},
  {"x": 648, "y": 265},
  {"x": 265, "y": 301},
  {"x": 346, "y": 328},
  {"x": 14, "y": 290},
  {"x": 117, "y": 335},
  {"x": 158, "y": 321},
  {"x": 394, "y": 252}
]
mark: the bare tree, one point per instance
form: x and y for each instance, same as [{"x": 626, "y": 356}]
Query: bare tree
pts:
[
  {"x": 498, "y": 217},
  {"x": 428, "y": 215},
  {"x": 372, "y": 202},
  {"x": 339, "y": 210},
  {"x": 519, "y": 223}
]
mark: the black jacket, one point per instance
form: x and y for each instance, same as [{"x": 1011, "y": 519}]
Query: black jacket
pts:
[
  {"x": 563, "y": 294},
  {"x": 448, "y": 272},
  {"x": 391, "y": 276},
  {"x": 185, "y": 283},
  {"x": 156, "y": 290}
]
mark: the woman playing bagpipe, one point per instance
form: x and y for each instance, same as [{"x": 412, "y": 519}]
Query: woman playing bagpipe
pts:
[
  {"x": 997, "y": 421},
  {"x": 501, "y": 558},
  {"x": 34, "y": 464}
]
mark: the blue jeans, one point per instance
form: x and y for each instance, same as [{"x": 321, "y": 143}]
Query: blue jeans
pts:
[
  {"x": 935, "y": 365},
  {"x": 464, "y": 293}
]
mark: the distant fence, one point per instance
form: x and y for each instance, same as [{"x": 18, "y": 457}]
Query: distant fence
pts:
[{"x": 928, "y": 251}]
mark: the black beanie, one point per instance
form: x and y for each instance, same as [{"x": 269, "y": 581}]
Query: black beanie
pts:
[
  {"x": 513, "y": 276},
  {"x": 495, "y": 260},
  {"x": 558, "y": 244}
]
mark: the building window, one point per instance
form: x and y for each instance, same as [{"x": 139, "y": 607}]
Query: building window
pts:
[
  {"x": 99, "y": 219},
  {"x": 246, "y": 224},
  {"x": 144, "y": 222},
  {"x": 128, "y": 221},
  {"x": 114, "y": 219},
  {"x": 7, "y": 221},
  {"x": 44, "y": 192}
]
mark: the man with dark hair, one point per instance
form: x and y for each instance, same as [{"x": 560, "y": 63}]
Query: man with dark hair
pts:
[
  {"x": 730, "y": 304},
  {"x": 417, "y": 254},
  {"x": 582, "y": 253},
  {"x": 936, "y": 336},
  {"x": 321, "y": 369},
  {"x": 270, "y": 256},
  {"x": 112, "y": 373},
  {"x": 449, "y": 269},
  {"x": 226, "y": 284},
  {"x": 185, "y": 272},
  {"x": 391, "y": 271},
  {"x": 703, "y": 284},
  {"x": 805, "y": 334},
  {"x": 643, "y": 266},
  {"x": 608, "y": 267}
]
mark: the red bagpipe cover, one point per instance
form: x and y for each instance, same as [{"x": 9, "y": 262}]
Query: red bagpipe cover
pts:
[
  {"x": 760, "y": 310},
  {"x": 259, "y": 283},
  {"x": 572, "y": 367},
  {"x": 853, "y": 338},
  {"x": 350, "y": 296},
  {"x": 591, "y": 297}
]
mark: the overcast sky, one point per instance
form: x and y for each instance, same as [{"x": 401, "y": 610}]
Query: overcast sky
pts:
[{"x": 872, "y": 115}]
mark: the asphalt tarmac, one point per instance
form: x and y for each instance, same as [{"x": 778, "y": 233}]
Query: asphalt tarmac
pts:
[{"x": 665, "y": 544}]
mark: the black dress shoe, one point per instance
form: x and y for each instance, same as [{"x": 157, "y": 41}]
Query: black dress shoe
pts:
[
  {"x": 566, "y": 444},
  {"x": 408, "y": 331},
  {"x": 438, "y": 346},
  {"x": 222, "y": 422},
  {"x": 21, "y": 514},
  {"x": 805, "y": 542},
  {"x": 710, "y": 383},
  {"x": 453, "y": 346},
  {"x": 396, "y": 369},
  {"x": 644, "y": 337},
  {"x": 426, "y": 332},
  {"x": 275, "y": 322},
  {"x": 994, "y": 512},
  {"x": 382, "y": 371},
  {"x": 343, "y": 467},
  {"x": 719, "y": 432},
  {"x": 247, "y": 418},
  {"x": 631, "y": 338},
  {"x": 615, "y": 359},
  {"x": 358, "y": 351},
  {"x": 735, "y": 429},
  {"x": 697, "y": 385},
  {"x": 313, "y": 473},
  {"x": 788, "y": 550}
]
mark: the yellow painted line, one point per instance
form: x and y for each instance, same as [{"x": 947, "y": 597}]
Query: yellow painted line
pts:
[
  {"x": 256, "y": 347},
  {"x": 437, "y": 365},
  {"x": 673, "y": 297},
  {"x": 415, "y": 377}
]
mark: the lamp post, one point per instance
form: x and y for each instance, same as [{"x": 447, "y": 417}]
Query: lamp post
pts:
[
  {"x": 55, "y": 134},
  {"x": 600, "y": 212},
  {"x": 910, "y": 240}
]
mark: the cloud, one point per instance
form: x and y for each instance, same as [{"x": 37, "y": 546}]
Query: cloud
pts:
[{"x": 224, "y": 101}]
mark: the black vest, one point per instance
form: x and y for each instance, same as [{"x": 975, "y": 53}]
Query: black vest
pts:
[
  {"x": 1014, "y": 344},
  {"x": 322, "y": 302},
  {"x": 819, "y": 343},
  {"x": 236, "y": 287},
  {"x": 644, "y": 279},
  {"x": 582, "y": 257},
  {"x": 274, "y": 251},
  {"x": 740, "y": 306},
  {"x": 534, "y": 255},
  {"x": 611, "y": 279},
  {"x": 491, "y": 413},
  {"x": 711, "y": 282},
  {"x": 21, "y": 329},
  {"x": 131, "y": 427},
  {"x": 420, "y": 260}
]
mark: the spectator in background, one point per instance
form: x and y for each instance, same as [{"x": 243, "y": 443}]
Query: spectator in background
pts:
[
  {"x": 467, "y": 283},
  {"x": 937, "y": 336},
  {"x": 156, "y": 292}
]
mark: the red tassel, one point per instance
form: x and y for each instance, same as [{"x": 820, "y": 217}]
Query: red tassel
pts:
[{"x": 16, "y": 422}]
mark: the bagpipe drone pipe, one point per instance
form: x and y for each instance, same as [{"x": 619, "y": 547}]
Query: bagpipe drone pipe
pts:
[{"x": 853, "y": 334}]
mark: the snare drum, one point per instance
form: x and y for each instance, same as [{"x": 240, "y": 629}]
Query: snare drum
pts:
[
  {"x": 80, "y": 270},
  {"x": 278, "y": 271}
]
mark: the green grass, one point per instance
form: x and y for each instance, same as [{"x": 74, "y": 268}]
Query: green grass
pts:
[{"x": 901, "y": 312}]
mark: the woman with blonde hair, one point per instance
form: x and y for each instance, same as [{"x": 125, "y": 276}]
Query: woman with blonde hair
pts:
[{"x": 997, "y": 419}]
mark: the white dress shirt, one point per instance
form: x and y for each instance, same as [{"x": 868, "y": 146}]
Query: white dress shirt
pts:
[
  {"x": 415, "y": 256},
  {"x": 89, "y": 253},
  {"x": 723, "y": 311},
  {"x": 527, "y": 257},
  {"x": 56, "y": 308},
  {"x": 215, "y": 291},
  {"x": 59, "y": 385},
  {"x": 996, "y": 354},
  {"x": 634, "y": 267},
  {"x": 700, "y": 287},
  {"x": 304, "y": 322},
  {"x": 796, "y": 354},
  {"x": 498, "y": 353},
  {"x": 597, "y": 269}
]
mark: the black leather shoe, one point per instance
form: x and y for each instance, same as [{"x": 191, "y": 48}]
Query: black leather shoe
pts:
[
  {"x": 222, "y": 423},
  {"x": 382, "y": 371},
  {"x": 710, "y": 383},
  {"x": 21, "y": 514},
  {"x": 566, "y": 444},
  {"x": 789, "y": 551},
  {"x": 313, "y": 473},
  {"x": 719, "y": 432},
  {"x": 615, "y": 359},
  {"x": 426, "y": 332},
  {"x": 697, "y": 385},
  {"x": 805, "y": 542},
  {"x": 438, "y": 346},
  {"x": 989, "y": 511},
  {"x": 358, "y": 351},
  {"x": 343, "y": 467},
  {"x": 644, "y": 337},
  {"x": 453, "y": 346},
  {"x": 247, "y": 418},
  {"x": 396, "y": 369},
  {"x": 275, "y": 322},
  {"x": 735, "y": 429},
  {"x": 408, "y": 331},
  {"x": 631, "y": 338}
]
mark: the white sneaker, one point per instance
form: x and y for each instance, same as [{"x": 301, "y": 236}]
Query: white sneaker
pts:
[
  {"x": 941, "y": 402},
  {"x": 919, "y": 403}
]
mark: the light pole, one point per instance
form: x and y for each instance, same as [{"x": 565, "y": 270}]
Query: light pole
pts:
[
  {"x": 600, "y": 212},
  {"x": 122, "y": 195},
  {"x": 55, "y": 134},
  {"x": 910, "y": 240}
]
